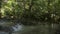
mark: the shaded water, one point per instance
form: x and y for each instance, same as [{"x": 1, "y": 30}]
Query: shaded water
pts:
[{"x": 38, "y": 29}]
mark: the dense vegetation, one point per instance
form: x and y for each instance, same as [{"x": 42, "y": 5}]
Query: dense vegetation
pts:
[{"x": 31, "y": 11}]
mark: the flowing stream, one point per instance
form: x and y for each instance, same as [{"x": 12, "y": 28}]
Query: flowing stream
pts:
[{"x": 22, "y": 29}]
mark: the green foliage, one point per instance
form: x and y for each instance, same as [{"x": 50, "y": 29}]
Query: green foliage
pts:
[{"x": 33, "y": 10}]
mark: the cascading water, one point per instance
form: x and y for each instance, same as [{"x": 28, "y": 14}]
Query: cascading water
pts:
[
  {"x": 17, "y": 27},
  {"x": 14, "y": 28}
]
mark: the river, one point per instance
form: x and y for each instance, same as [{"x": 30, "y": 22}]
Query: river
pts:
[{"x": 23, "y": 29}]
